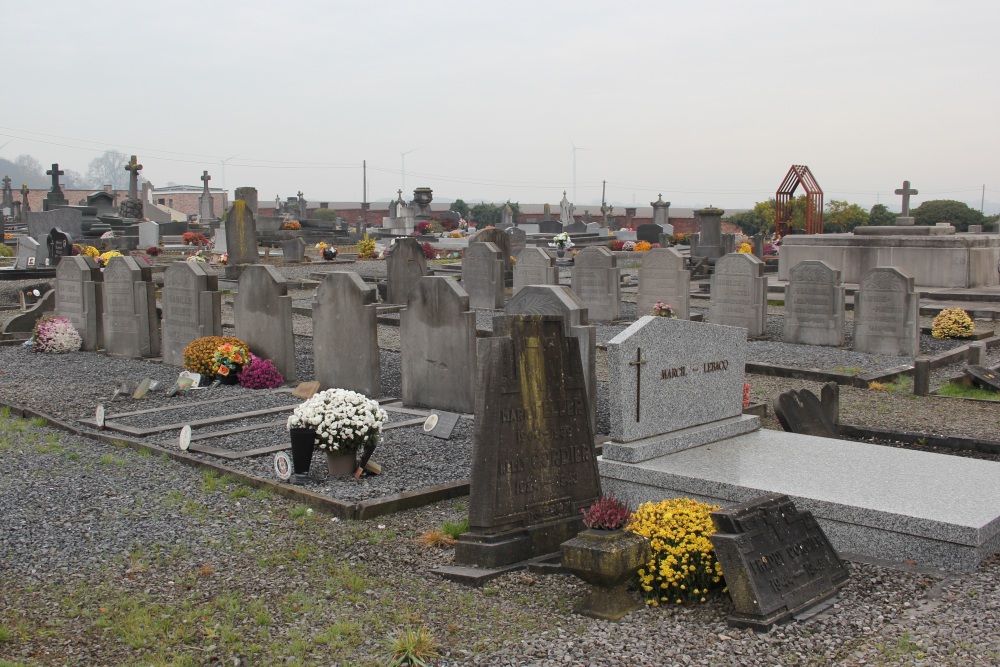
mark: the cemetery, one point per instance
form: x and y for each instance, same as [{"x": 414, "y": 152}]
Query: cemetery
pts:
[{"x": 812, "y": 415}]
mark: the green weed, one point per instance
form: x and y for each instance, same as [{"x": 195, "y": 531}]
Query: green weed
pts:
[
  {"x": 961, "y": 391},
  {"x": 454, "y": 529}
]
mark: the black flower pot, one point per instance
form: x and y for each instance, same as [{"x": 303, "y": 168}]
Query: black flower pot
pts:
[{"x": 302, "y": 449}]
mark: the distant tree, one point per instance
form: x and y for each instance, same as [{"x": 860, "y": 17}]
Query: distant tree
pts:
[
  {"x": 24, "y": 170},
  {"x": 325, "y": 214},
  {"x": 957, "y": 213},
  {"x": 109, "y": 169},
  {"x": 758, "y": 219},
  {"x": 880, "y": 216},
  {"x": 487, "y": 215},
  {"x": 842, "y": 217},
  {"x": 460, "y": 207},
  {"x": 74, "y": 180}
]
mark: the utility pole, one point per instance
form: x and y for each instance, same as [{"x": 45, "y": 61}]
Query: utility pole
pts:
[
  {"x": 982, "y": 202},
  {"x": 364, "y": 181}
]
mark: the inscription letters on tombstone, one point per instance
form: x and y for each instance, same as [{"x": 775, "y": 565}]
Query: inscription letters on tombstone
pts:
[
  {"x": 739, "y": 294},
  {"x": 814, "y": 305},
  {"x": 885, "y": 314},
  {"x": 663, "y": 277},
  {"x": 79, "y": 297}
]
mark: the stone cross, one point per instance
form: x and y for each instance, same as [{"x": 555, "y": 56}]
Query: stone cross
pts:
[
  {"x": 55, "y": 173},
  {"x": 638, "y": 363},
  {"x": 133, "y": 168},
  {"x": 906, "y": 191},
  {"x": 25, "y": 207},
  {"x": 205, "y": 178},
  {"x": 6, "y": 182},
  {"x": 300, "y": 194}
]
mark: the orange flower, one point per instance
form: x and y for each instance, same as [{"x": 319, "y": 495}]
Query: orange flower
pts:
[{"x": 222, "y": 370}]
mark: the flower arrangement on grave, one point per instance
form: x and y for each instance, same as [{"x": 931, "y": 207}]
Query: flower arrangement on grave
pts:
[
  {"x": 561, "y": 241},
  {"x": 6, "y": 250},
  {"x": 642, "y": 246},
  {"x": 105, "y": 257},
  {"x": 422, "y": 228},
  {"x": 343, "y": 419},
  {"x": 366, "y": 247},
  {"x": 616, "y": 246},
  {"x": 229, "y": 358},
  {"x": 770, "y": 250},
  {"x": 196, "y": 257},
  {"x": 513, "y": 260},
  {"x": 746, "y": 395},
  {"x": 291, "y": 225},
  {"x": 193, "y": 238},
  {"x": 463, "y": 223},
  {"x": 154, "y": 251},
  {"x": 322, "y": 245},
  {"x": 428, "y": 249},
  {"x": 261, "y": 374},
  {"x": 199, "y": 353},
  {"x": 683, "y": 566},
  {"x": 607, "y": 513},
  {"x": 628, "y": 246},
  {"x": 91, "y": 251},
  {"x": 7, "y": 235},
  {"x": 952, "y": 323},
  {"x": 456, "y": 235},
  {"x": 745, "y": 248},
  {"x": 224, "y": 258},
  {"x": 55, "y": 334},
  {"x": 661, "y": 309},
  {"x": 680, "y": 239}
]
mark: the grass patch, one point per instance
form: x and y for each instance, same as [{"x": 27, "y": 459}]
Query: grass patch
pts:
[
  {"x": 411, "y": 646},
  {"x": 112, "y": 460},
  {"x": 955, "y": 390},
  {"x": 848, "y": 370},
  {"x": 455, "y": 528},
  {"x": 775, "y": 302}
]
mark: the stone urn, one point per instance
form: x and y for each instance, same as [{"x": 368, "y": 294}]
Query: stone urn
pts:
[{"x": 606, "y": 559}]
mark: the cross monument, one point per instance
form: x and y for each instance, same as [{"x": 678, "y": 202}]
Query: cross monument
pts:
[
  {"x": 205, "y": 178},
  {"x": 133, "y": 168},
  {"x": 906, "y": 191},
  {"x": 55, "y": 173}
]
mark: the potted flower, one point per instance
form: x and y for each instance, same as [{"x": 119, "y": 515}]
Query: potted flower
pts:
[
  {"x": 661, "y": 309},
  {"x": 228, "y": 361},
  {"x": 560, "y": 242},
  {"x": 340, "y": 422},
  {"x": 606, "y": 557}
]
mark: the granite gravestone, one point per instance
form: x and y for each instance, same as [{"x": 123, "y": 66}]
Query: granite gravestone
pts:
[
  {"x": 59, "y": 244},
  {"x": 437, "y": 340},
  {"x": 578, "y": 227},
  {"x": 149, "y": 234},
  {"x": 345, "y": 335},
  {"x": 67, "y": 219},
  {"x": 550, "y": 227},
  {"x": 777, "y": 561},
  {"x": 263, "y": 313},
  {"x": 404, "y": 267},
  {"x": 648, "y": 232},
  {"x": 80, "y": 297},
  {"x": 482, "y": 275},
  {"x": 293, "y": 250},
  {"x": 596, "y": 281},
  {"x": 500, "y": 239},
  {"x": 800, "y": 411},
  {"x": 560, "y": 301},
  {"x": 885, "y": 314},
  {"x": 131, "y": 325},
  {"x": 739, "y": 294},
  {"x": 534, "y": 466},
  {"x": 30, "y": 254},
  {"x": 814, "y": 305},
  {"x": 534, "y": 267},
  {"x": 518, "y": 240},
  {"x": 241, "y": 234},
  {"x": 663, "y": 277},
  {"x": 192, "y": 308}
]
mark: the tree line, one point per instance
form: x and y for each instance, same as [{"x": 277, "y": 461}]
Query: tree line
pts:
[{"x": 106, "y": 169}]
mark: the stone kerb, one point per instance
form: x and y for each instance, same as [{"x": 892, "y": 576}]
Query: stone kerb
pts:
[
  {"x": 596, "y": 282},
  {"x": 500, "y": 239},
  {"x": 131, "y": 327},
  {"x": 663, "y": 277},
  {"x": 534, "y": 267},
  {"x": 192, "y": 308},
  {"x": 885, "y": 314},
  {"x": 263, "y": 314},
  {"x": 345, "y": 335},
  {"x": 814, "y": 305},
  {"x": 437, "y": 332},
  {"x": 80, "y": 297},
  {"x": 665, "y": 375},
  {"x": 483, "y": 275},
  {"x": 560, "y": 301},
  {"x": 404, "y": 266},
  {"x": 739, "y": 294}
]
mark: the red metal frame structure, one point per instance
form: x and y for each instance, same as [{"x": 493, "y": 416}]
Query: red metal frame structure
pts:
[{"x": 799, "y": 174}]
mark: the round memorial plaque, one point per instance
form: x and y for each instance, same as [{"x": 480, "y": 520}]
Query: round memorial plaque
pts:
[
  {"x": 184, "y": 439},
  {"x": 283, "y": 466},
  {"x": 99, "y": 417},
  {"x": 430, "y": 423}
]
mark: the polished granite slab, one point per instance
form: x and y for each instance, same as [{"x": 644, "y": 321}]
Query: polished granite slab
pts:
[{"x": 876, "y": 501}]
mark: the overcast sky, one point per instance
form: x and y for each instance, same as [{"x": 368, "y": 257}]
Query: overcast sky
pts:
[{"x": 706, "y": 102}]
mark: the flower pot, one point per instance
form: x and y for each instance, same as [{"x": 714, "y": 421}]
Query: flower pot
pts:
[
  {"x": 303, "y": 440},
  {"x": 341, "y": 462},
  {"x": 560, "y": 253},
  {"x": 606, "y": 559},
  {"x": 229, "y": 378}
]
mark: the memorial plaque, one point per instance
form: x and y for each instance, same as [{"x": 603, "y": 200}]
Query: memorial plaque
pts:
[
  {"x": 885, "y": 314},
  {"x": 739, "y": 294},
  {"x": 441, "y": 424},
  {"x": 663, "y": 277},
  {"x": 776, "y": 560},
  {"x": 814, "y": 305}
]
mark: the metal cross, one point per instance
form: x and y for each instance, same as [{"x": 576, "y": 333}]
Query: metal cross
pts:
[
  {"x": 638, "y": 363},
  {"x": 906, "y": 191}
]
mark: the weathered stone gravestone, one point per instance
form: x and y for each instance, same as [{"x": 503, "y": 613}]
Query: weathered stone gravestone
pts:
[
  {"x": 648, "y": 232},
  {"x": 799, "y": 411},
  {"x": 345, "y": 335},
  {"x": 550, "y": 227},
  {"x": 560, "y": 301},
  {"x": 131, "y": 326},
  {"x": 192, "y": 308},
  {"x": 293, "y": 250},
  {"x": 249, "y": 195},
  {"x": 500, "y": 239},
  {"x": 59, "y": 244},
  {"x": 241, "y": 234},
  {"x": 79, "y": 297},
  {"x": 518, "y": 240},
  {"x": 263, "y": 313},
  {"x": 149, "y": 234},
  {"x": 404, "y": 267},
  {"x": 534, "y": 267},
  {"x": 814, "y": 305},
  {"x": 67, "y": 219},
  {"x": 885, "y": 314},
  {"x": 739, "y": 294},
  {"x": 986, "y": 378},
  {"x": 596, "y": 282},
  {"x": 663, "y": 277},
  {"x": 437, "y": 333},
  {"x": 534, "y": 466},
  {"x": 777, "y": 560},
  {"x": 483, "y": 275},
  {"x": 577, "y": 227},
  {"x": 30, "y": 254},
  {"x": 22, "y": 324}
]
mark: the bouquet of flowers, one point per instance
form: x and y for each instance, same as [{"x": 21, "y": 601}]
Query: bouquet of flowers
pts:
[
  {"x": 661, "y": 309},
  {"x": 342, "y": 419},
  {"x": 261, "y": 374},
  {"x": 321, "y": 246},
  {"x": 229, "y": 358},
  {"x": 105, "y": 257},
  {"x": 55, "y": 334},
  {"x": 561, "y": 241}
]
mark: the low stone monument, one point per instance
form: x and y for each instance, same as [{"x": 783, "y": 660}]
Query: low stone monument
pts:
[
  {"x": 885, "y": 314},
  {"x": 192, "y": 308},
  {"x": 263, "y": 314},
  {"x": 739, "y": 294},
  {"x": 664, "y": 277},
  {"x": 596, "y": 281},
  {"x": 814, "y": 305},
  {"x": 345, "y": 334},
  {"x": 80, "y": 297},
  {"x": 131, "y": 325},
  {"x": 404, "y": 267},
  {"x": 534, "y": 267},
  {"x": 483, "y": 275}
]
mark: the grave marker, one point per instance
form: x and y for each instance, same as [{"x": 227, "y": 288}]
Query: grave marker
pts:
[
  {"x": 518, "y": 241},
  {"x": 293, "y": 250},
  {"x": 885, "y": 314},
  {"x": 30, "y": 254},
  {"x": 263, "y": 313},
  {"x": 80, "y": 297},
  {"x": 500, "y": 239},
  {"x": 345, "y": 334},
  {"x": 663, "y": 277},
  {"x": 241, "y": 234},
  {"x": 404, "y": 266},
  {"x": 192, "y": 308},
  {"x": 596, "y": 281},
  {"x": 59, "y": 244},
  {"x": 799, "y": 411},
  {"x": 814, "y": 305},
  {"x": 483, "y": 275},
  {"x": 739, "y": 294},
  {"x": 131, "y": 326},
  {"x": 534, "y": 267}
]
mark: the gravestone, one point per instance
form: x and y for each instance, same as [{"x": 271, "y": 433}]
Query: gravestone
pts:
[
  {"x": 500, "y": 239},
  {"x": 293, "y": 250},
  {"x": 437, "y": 333},
  {"x": 814, "y": 305},
  {"x": 55, "y": 196},
  {"x": 595, "y": 281},
  {"x": 263, "y": 313},
  {"x": 534, "y": 466},
  {"x": 710, "y": 233},
  {"x": 131, "y": 325},
  {"x": 800, "y": 411},
  {"x": 59, "y": 244},
  {"x": 30, "y": 254},
  {"x": 739, "y": 294},
  {"x": 548, "y": 227},
  {"x": 249, "y": 195},
  {"x": 483, "y": 275},
  {"x": 663, "y": 277},
  {"x": 666, "y": 375},
  {"x": 192, "y": 308},
  {"x": 778, "y": 561},
  {"x": 67, "y": 219},
  {"x": 560, "y": 301},
  {"x": 149, "y": 234},
  {"x": 577, "y": 227},
  {"x": 648, "y": 232},
  {"x": 905, "y": 219},
  {"x": 206, "y": 206},
  {"x": 80, "y": 297},
  {"x": 983, "y": 377},
  {"x": 534, "y": 267},
  {"x": 518, "y": 240},
  {"x": 885, "y": 314},
  {"x": 345, "y": 334},
  {"x": 625, "y": 235},
  {"x": 24, "y": 323},
  {"x": 404, "y": 267},
  {"x": 241, "y": 234}
]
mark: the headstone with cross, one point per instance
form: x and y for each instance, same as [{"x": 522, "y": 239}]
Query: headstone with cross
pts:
[
  {"x": 55, "y": 196},
  {"x": 904, "y": 218},
  {"x": 206, "y": 207},
  {"x": 25, "y": 206},
  {"x": 7, "y": 201},
  {"x": 133, "y": 168}
]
